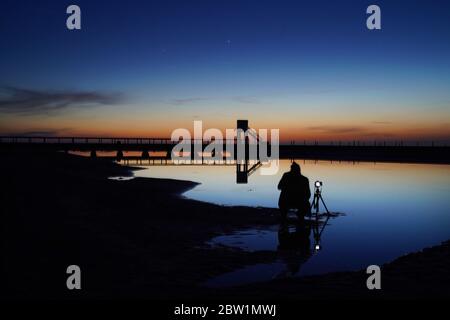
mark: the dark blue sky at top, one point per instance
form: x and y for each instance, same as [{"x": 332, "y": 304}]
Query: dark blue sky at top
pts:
[
  {"x": 154, "y": 51},
  {"x": 133, "y": 35}
]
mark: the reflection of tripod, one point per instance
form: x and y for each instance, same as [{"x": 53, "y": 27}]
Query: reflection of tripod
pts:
[
  {"x": 317, "y": 232},
  {"x": 317, "y": 197}
]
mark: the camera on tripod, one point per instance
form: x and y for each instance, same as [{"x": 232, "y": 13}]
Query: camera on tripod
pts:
[
  {"x": 318, "y": 197},
  {"x": 318, "y": 185}
]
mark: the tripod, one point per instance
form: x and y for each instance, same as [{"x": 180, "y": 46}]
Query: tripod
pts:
[{"x": 316, "y": 199}]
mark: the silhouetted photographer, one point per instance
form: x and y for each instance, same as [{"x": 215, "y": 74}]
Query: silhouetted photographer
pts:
[{"x": 295, "y": 193}]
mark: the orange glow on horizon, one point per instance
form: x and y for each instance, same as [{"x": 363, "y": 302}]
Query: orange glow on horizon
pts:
[{"x": 328, "y": 130}]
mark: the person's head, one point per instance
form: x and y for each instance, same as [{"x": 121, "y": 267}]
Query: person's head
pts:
[{"x": 295, "y": 168}]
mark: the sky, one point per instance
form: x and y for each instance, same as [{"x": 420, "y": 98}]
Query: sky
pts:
[{"x": 144, "y": 68}]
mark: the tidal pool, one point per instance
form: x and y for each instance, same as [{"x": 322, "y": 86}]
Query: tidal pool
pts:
[{"x": 390, "y": 210}]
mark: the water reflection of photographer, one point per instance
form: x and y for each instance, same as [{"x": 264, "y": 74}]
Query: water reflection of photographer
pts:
[
  {"x": 295, "y": 193},
  {"x": 294, "y": 247}
]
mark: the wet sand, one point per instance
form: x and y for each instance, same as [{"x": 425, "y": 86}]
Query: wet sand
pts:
[{"x": 141, "y": 239}]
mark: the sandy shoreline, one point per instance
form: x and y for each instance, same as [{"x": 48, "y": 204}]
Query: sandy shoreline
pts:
[{"x": 140, "y": 238}]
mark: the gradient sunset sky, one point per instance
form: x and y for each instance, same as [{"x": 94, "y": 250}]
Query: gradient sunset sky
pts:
[{"x": 143, "y": 68}]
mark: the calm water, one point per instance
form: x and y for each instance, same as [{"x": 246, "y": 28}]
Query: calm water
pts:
[{"x": 390, "y": 210}]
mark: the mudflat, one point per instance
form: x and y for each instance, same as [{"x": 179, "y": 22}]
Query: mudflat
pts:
[{"x": 140, "y": 238}]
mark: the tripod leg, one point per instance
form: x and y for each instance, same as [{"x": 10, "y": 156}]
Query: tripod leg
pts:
[
  {"x": 323, "y": 202},
  {"x": 315, "y": 205}
]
